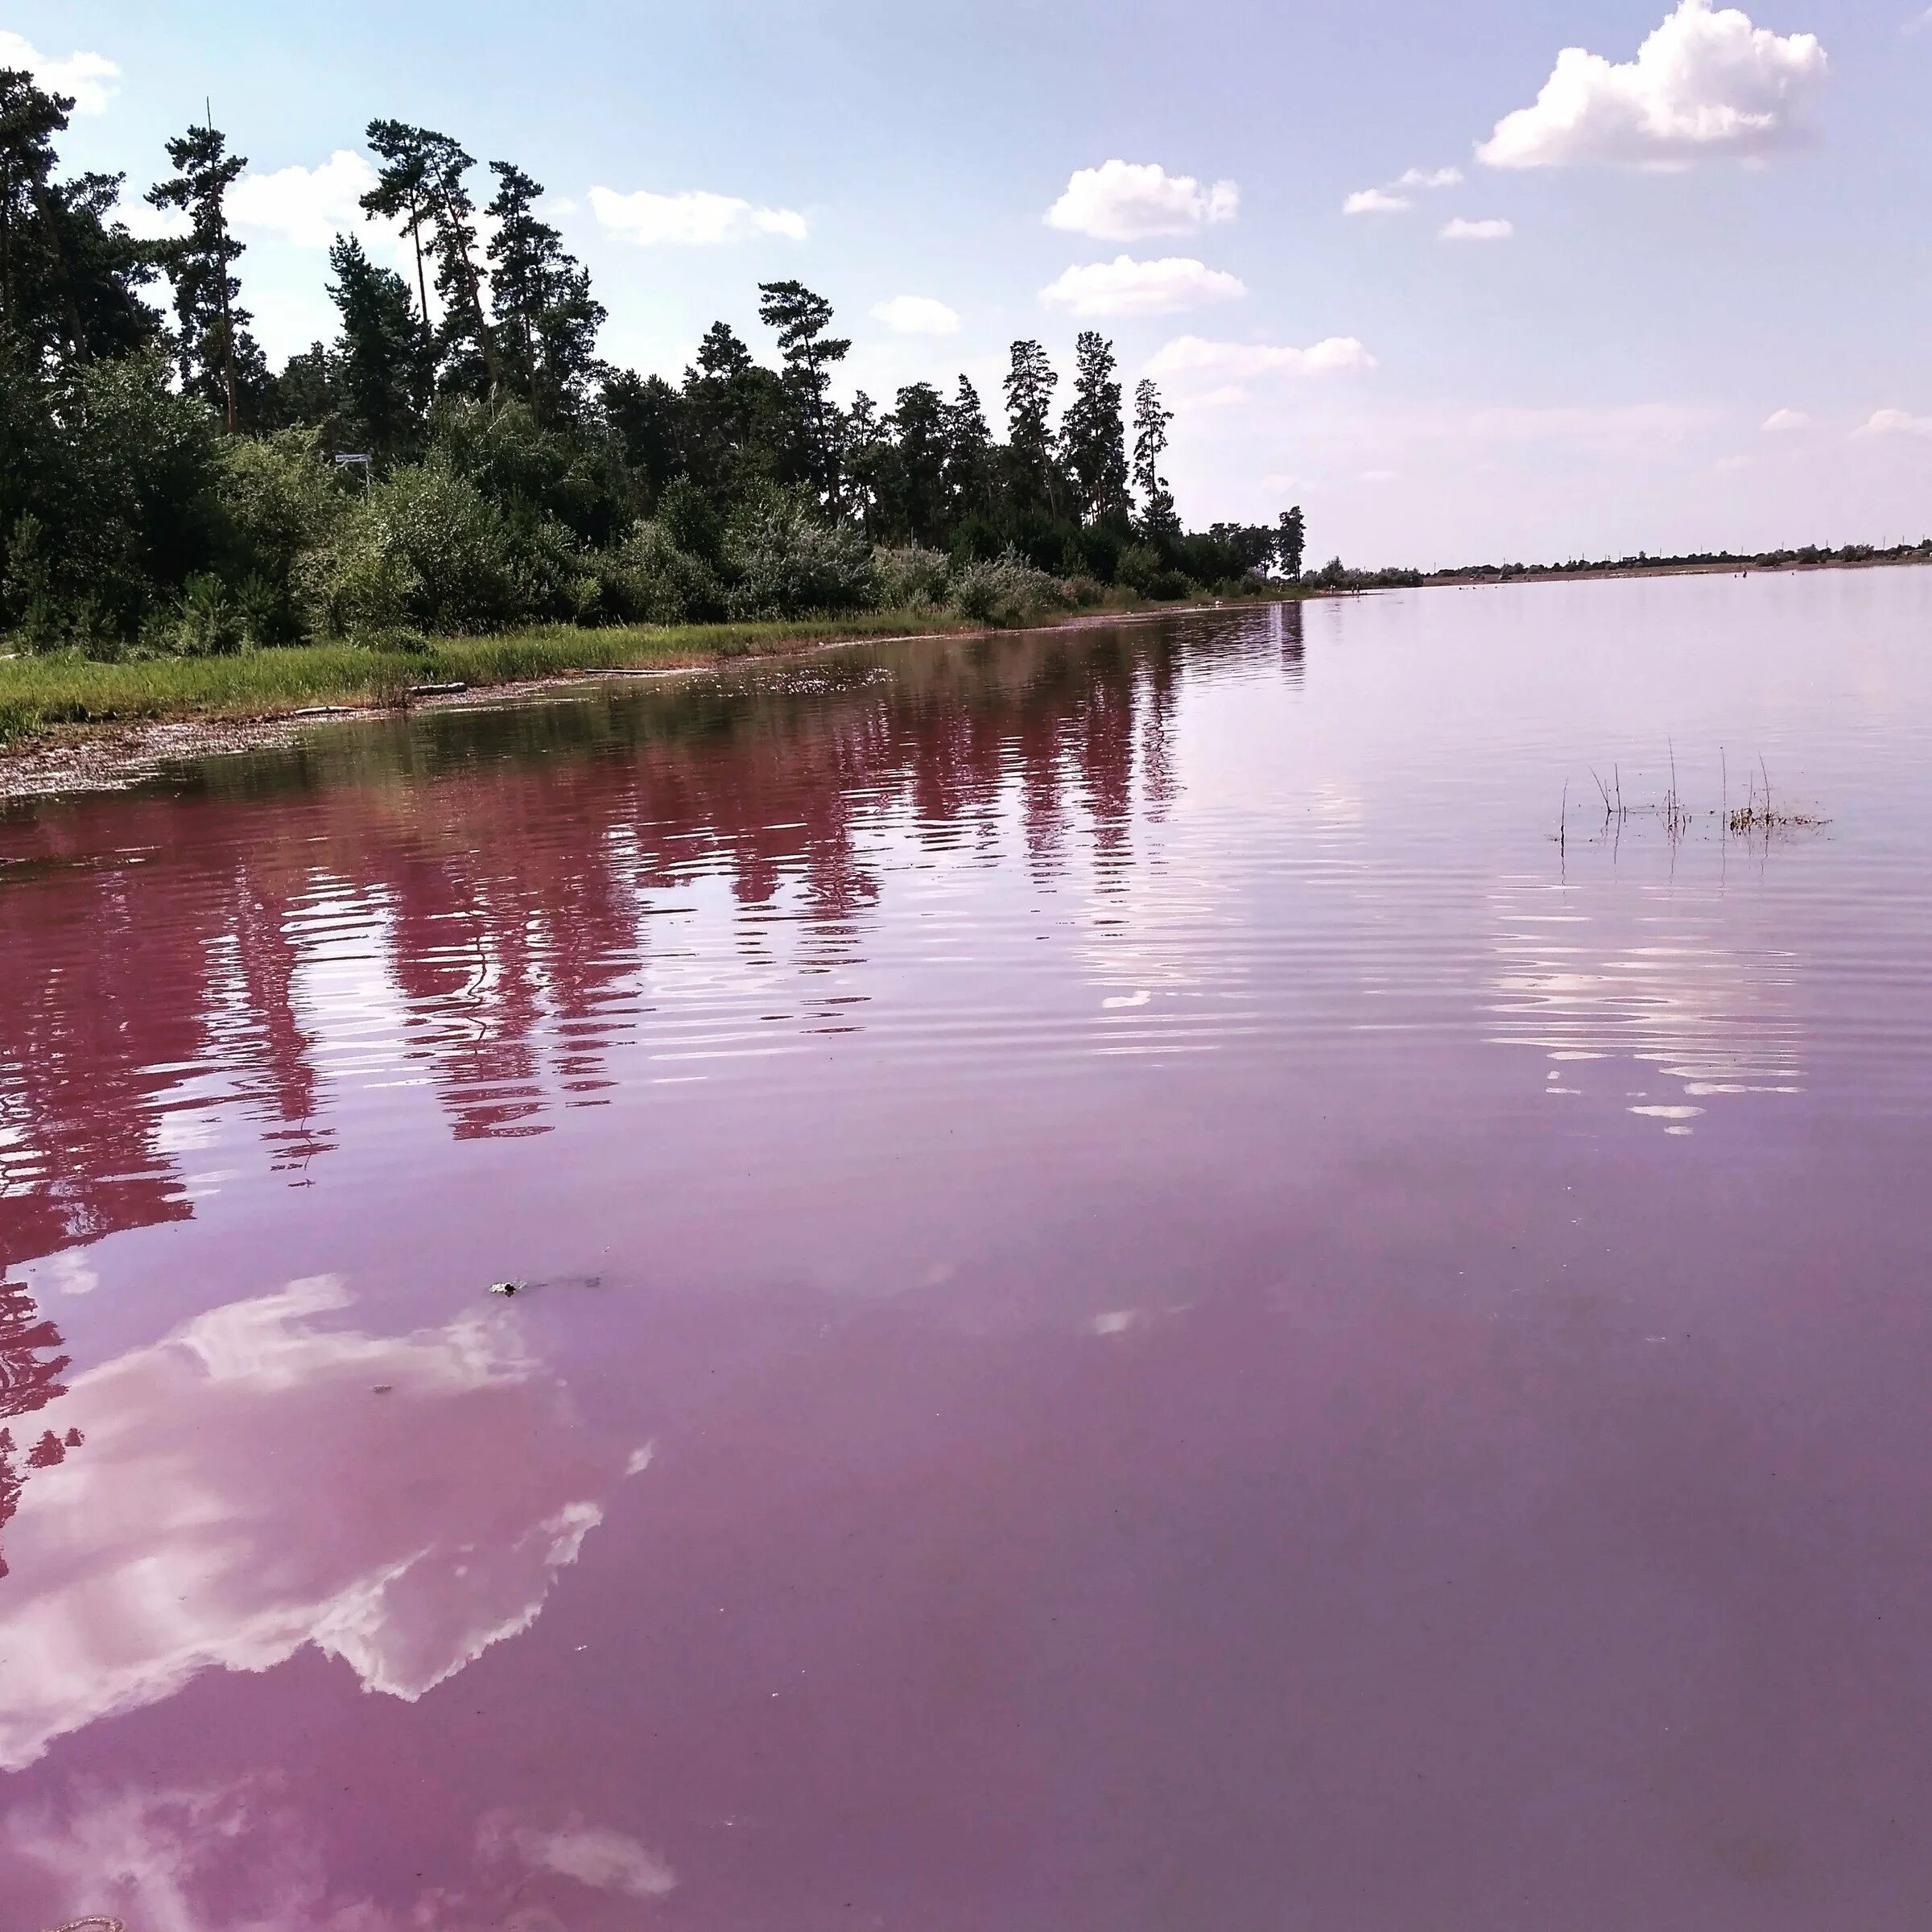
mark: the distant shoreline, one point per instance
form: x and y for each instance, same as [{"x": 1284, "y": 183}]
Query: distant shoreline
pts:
[{"x": 78, "y": 727}]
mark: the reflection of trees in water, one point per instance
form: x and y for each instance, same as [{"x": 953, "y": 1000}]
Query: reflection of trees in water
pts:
[
  {"x": 30, "y": 1379},
  {"x": 510, "y": 868}
]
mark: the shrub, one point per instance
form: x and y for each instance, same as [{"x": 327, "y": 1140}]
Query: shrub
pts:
[
  {"x": 280, "y": 498},
  {"x": 787, "y": 563},
  {"x": 910, "y": 579},
  {"x": 1168, "y": 586},
  {"x": 209, "y": 624},
  {"x": 425, "y": 548},
  {"x": 649, "y": 580},
  {"x": 1007, "y": 592},
  {"x": 1140, "y": 563}
]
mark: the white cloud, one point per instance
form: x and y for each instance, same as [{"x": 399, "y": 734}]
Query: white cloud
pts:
[
  {"x": 1781, "y": 420},
  {"x": 1128, "y": 201},
  {"x": 163, "y": 1547},
  {"x": 1462, "y": 231},
  {"x": 694, "y": 220},
  {"x": 1896, "y": 422},
  {"x": 1124, "y": 287},
  {"x": 1430, "y": 178},
  {"x": 917, "y": 316},
  {"x": 1705, "y": 83},
  {"x": 89, "y": 80},
  {"x": 1376, "y": 201},
  {"x": 594, "y": 1856},
  {"x": 1193, "y": 356},
  {"x": 308, "y": 206}
]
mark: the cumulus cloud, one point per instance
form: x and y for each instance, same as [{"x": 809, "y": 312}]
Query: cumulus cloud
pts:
[
  {"x": 1706, "y": 83},
  {"x": 693, "y": 220},
  {"x": 1781, "y": 421},
  {"x": 594, "y": 1856},
  {"x": 1376, "y": 201},
  {"x": 1128, "y": 201},
  {"x": 88, "y": 79},
  {"x": 165, "y": 1547},
  {"x": 1896, "y": 422},
  {"x": 917, "y": 316},
  {"x": 1124, "y": 287},
  {"x": 308, "y": 206},
  {"x": 1194, "y": 358},
  {"x": 1395, "y": 197},
  {"x": 1462, "y": 231}
]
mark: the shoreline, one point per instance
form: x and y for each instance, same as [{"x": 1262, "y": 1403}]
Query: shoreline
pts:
[
  {"x": 69, "y": 757},
  {"x": 116, "y": 751}
]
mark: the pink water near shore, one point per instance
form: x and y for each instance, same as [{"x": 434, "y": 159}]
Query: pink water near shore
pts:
[{"x": 1147, "y": 1307}]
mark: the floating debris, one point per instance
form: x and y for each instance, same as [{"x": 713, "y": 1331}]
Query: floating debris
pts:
[
  {"x": 435, "y": 690},
  {"x": 508, "y": 1287}
]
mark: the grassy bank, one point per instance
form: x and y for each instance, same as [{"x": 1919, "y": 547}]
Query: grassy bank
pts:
[{"x": 40, "y": 694}]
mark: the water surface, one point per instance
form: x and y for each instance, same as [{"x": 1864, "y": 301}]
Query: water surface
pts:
[{"x": 1149, "y": 1307}]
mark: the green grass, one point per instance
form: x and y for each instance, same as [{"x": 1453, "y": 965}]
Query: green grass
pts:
[{"x": 41, "y": 694}]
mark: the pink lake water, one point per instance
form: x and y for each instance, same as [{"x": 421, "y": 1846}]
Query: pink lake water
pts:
[{"x": 1148, "y": 1308}]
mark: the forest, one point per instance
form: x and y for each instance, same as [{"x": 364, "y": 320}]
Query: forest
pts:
[{"x": 459, "y": 459}]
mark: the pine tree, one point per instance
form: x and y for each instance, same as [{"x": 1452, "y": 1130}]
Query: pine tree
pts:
[
  {"x": 220, "y": 360},
  {"x": 1291, "y": 542},
  {"x": 801, "y": 320},
  {"x": 422, "y": 181},
  {"x": 402, "y": 191},
  {"x": 918, "y": 509},
  {"x": 547, "y": 318},
  {"x": 1092, "y": 436},
  {"x": 969, "y": 479},
  {"x": 1151, "y": 422},
  {"x": 380, "y": 360},
  {"x": 69, "y": 274},
  {"x": 1030, "y": 382}
]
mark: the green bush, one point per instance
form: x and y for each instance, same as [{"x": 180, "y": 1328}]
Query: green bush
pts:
[
  {"x": 911, "y": 578},
  {"x": 649, "y": 580},
  {"x": 282, "y": 497},
  {"x": 1008, "y": 591},
  {"x": 1140, "y": 563},
  {"x": 209, "y": 624},
  {"x": 786, "y": 563}
]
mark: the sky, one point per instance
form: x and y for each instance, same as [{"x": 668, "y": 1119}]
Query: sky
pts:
[{"x": 1515, "y": 279}]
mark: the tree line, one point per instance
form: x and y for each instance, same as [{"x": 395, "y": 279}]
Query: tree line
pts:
[{"x": 162, "y": 488}]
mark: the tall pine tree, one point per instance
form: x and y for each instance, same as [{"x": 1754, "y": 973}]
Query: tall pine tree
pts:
[
  {"x": 1092, "y": 436},
  {"x": 810, "y": 353},
  {"x": 1151, "y": 422},
  {"x": 381, "y": 369},
  {"x": 1030, "y": 382},
  {"x": 546, "y": 319},
  {"x": 220, "y": 360}
]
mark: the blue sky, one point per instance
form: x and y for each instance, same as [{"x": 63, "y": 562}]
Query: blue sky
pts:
[{"x": 1658, "y": 256}]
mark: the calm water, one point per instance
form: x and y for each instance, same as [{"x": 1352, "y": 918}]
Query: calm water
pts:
[{"x": 1149, "y": 1308}]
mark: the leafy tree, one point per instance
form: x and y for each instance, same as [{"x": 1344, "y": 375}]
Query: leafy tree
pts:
[
  {"x": 1291, "y": 542},
  {"x": 382, "y": 375},
  {"x": 1092, "y": 434},
  {"x": 220, "y": 360},
  {"x": 1151, "y": 421},
  {"x": 69, "y": 274},
  {"x": 546, "y": 316},
  {"x": 1030, "y": 382},
  {"x": 810, "y": 354}
]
